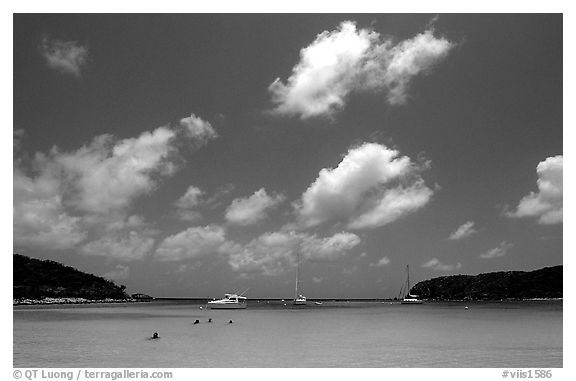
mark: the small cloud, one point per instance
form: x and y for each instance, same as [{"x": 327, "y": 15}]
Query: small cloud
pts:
[
  {"x": 384, "y": 261},
  {"x": 186, "y": 204},
  {"x": 248, "y": 211},
  {"x": 546, "y": 204},
  {"x": 436, "y": 265},
  {"x": 68, "y": 57},
  {"x": 200, "y": 131},
  {"x": 463, "y": 231},
  {"x": 496, "y": 252},
  {"x": 350, "y": 60}
]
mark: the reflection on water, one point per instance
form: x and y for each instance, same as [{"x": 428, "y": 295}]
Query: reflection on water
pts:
[{"x": 505, "y": 334}]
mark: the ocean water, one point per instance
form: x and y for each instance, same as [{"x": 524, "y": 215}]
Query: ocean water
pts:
[{"x": 343, "y": 334}]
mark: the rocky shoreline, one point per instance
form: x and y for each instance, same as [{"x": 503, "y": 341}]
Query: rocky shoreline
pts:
[{"x": 46, "y": 301}]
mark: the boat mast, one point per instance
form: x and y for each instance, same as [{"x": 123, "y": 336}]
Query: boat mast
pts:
[
  {"x": 408, "y": 278},
  {"x": 297, "y": 274}
]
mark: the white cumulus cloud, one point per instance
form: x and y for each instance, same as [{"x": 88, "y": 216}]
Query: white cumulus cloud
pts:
[
  {"x": 463, "y": 231},
  {"x": 436, "y": 265},
  {"x": 384, "y": 261},
  {"x": 67, "y": 57},
  {"x": 200, "y": 131},
  {"x": 108, "y": 175},
  {"x": 63, "y": 198},
  {"x": 194, "y": 242},
  {"x": 275, "y": 252},
  {"x": 39, "y": 216},
  {"x": 248, "y": 211},
  {"x": 347, "y": 60},
  {"x": 130, "y": 246},
  {"x": 187, "y": 204},
  {"x": 372, "y": 186},
  {"x": 546, "y": 204},
  {"x": 499, "y": 251}
]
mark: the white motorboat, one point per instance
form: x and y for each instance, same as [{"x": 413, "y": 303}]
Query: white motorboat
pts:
[
  {"x": 229, "y": 302},
  {"x": 300, "y": 300}
]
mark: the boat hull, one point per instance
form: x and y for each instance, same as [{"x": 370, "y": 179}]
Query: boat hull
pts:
[
  {"x": 411, "y": 302},
  {"x": 228, "y": 306},
  {"x": 299, "y": 302}
]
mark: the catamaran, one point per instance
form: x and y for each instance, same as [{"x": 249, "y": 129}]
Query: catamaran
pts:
[
  {"x": 404, "y": 295},
  {"x": 229, "y": 302},
  {"x": 299, "y": 299}
]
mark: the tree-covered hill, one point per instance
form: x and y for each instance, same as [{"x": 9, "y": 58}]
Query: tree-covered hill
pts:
[
  {"x": 542, "y": 283},
  {"x": 36, "y": 279}
]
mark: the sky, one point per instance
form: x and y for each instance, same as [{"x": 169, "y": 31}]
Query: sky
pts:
[{"x": 193, "y": 155}]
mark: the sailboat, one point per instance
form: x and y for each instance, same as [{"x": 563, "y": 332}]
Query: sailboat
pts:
[
  {"x": 404, "y": 295},
  {"x": 299, "y": 300}
]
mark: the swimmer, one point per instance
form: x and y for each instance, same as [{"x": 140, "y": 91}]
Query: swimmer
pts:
[
  {"x": 155, "y": 335},
  {"x": 196, "y": 321},
  {"x": 230, "y": 322},
  {"x": 210, "y": 320}
]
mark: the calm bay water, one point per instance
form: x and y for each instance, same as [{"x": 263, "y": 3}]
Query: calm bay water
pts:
[{"x": 355, "y": 334}]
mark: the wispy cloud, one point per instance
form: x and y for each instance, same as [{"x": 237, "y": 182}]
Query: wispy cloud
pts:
[
  {"x": 546, "y": 204},
  {"x": 68, "y": 57},
  {"x": 348, "y": 60},
  {"x": 499, "y": 251},
  {"x": 463, "y": 231}
]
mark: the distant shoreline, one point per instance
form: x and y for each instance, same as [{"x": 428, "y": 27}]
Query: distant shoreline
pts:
[
  {"x": 61, "y": 301},
  {"x": 72, "y": 300}
]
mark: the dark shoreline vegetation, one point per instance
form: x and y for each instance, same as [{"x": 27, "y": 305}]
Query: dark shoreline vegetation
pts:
[
  {"x": 545, "y": 283},
  {"x": 49, "y": 282}
]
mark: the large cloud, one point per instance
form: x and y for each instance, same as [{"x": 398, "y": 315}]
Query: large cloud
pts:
[
  {"x": 372, "y": 186},
  {"x": 273, "y": 253},
  {"x": 124, "y": 247},
  {"x": 349, "y": 60},
  {"x": 546, "y": 204},
  {"x": 61, "y": 198},
  {"x": 108, "y": 176},
  {"x": 39, "y": 217},
  {"x": 248, "y": 211},
  {"x": 195, "y": 242},
  {"x": 67, "y": 57}
]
